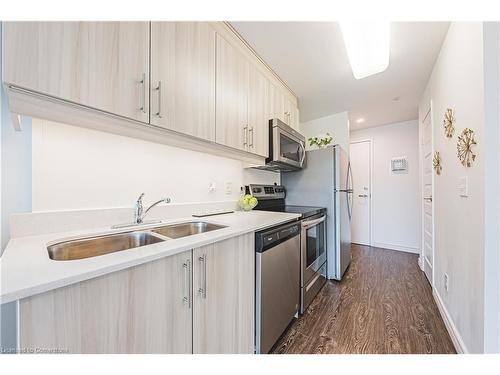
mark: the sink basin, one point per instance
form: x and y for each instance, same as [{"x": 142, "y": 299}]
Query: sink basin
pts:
[
  {"x": 186, "y": 229},
  {"x": 95, "y": 246}
]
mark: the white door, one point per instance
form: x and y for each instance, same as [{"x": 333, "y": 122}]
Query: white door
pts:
[
  {"x": 427, "y": 205},
  {"x": 360, "y": 155}
]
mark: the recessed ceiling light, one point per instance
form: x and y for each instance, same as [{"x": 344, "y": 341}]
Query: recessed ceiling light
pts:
[
  {"x": 360, "y": 120},
  {"x": 368, "y": 46}
]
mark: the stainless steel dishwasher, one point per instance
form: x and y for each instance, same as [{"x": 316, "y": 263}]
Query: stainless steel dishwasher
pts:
[{"x": 277, "y": 277}]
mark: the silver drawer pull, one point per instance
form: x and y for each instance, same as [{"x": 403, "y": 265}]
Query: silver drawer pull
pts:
[
  {"x": 143, "y": 93},
  {"x": 159, "y": 100},
  {"x": 187, "y": 282},
  {"x": 203, "y": 270}
]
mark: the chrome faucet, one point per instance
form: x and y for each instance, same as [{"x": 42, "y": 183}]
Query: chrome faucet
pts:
[{"x": 140, "y": 213}]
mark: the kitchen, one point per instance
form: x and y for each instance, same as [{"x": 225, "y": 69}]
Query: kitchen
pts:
[{"x": 175, "y": 193}]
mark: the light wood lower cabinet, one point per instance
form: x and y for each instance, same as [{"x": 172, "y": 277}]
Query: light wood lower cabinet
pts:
[
  {"x": 224, "y": 294},
  {"x": 137, "y": 310},
  {"x": 103, "y": 65},
  {"x": 199, "y": 301},
  {"x": 183, "y": 77}
]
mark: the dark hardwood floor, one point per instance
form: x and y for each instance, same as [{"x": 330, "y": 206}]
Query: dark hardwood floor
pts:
[{"x": 383, "y": 304}]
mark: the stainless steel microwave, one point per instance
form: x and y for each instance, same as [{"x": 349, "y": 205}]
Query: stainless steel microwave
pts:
[{"x": 286, "y": 148}]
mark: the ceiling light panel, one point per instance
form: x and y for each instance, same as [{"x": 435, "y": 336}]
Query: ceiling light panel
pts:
[{"x": 368, "y": 46}]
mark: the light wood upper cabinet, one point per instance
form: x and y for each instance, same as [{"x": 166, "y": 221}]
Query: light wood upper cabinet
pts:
[
  {"x": 183, "y": 77},
  {"x": 137, "y": 310},
  {"x": 103, "y": 65},
  {"x": 223, "y": 300},
  {"x": 231, "y": 96},
  {"x": 291, "y": 113},
  {"x": 258, "y": 113},
  {"x": 276, "y": 102}
]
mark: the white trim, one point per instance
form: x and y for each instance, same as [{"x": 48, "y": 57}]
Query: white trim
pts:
[
  {"x": 390, "y": 246},
  {"x": 420, "y": 263},
  {"x": 457, "y": 340},
  {"x": 429, "y": 114},
  {"x": 370, "y": 141}
]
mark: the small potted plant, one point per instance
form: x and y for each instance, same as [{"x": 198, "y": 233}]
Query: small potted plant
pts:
[{"x": 320, "y": 141}]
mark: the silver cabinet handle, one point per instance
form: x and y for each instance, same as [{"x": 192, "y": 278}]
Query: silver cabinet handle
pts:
[
  {"x": 428, "y": 199},
  {"x": 251, "y": 138},
  {"x": 159, "y": 100},
  {"x": 203, "y": 270},
  {"x": 187, "y": 282},
  {"x": 245, "y": 135},
  {"x": 143, "y": 93},
  {"x": 363, "y": 196}
]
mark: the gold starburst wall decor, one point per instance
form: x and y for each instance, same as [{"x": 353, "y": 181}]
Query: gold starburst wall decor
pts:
[
  {"x": 464, "y": 147},
  {"x": 436, "y": 162},
  {"x": 449, "y": 123}
]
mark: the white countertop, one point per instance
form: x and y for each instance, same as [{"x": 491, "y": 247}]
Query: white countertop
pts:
[{"x": 26, "y": 268}]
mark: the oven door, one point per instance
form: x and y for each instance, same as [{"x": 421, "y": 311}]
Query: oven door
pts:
[
  {"x": 287, "y": 148},
  {"x": 313, "y": 247}
]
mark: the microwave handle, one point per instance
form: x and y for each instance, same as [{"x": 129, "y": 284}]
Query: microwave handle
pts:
[{"x": 303, "y": 153}]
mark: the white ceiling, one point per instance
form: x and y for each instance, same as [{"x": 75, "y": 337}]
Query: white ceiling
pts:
[{"x": 311, "y": 58}]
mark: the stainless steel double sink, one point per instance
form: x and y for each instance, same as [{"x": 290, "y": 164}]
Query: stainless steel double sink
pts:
[{"x": 99, "y": 245}]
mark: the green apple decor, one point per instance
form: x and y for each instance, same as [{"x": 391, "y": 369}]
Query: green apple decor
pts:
[
  {"x": 248, "y": 202},
  {"x": 321, "y": 141}
]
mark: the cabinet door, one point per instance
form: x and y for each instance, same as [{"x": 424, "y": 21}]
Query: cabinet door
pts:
[
  {"x": 258, "y": 120},
  {"x": 231, "y": 96},
  {"x": 103, "y": 65},
  {"x": 145, "y": 309},
  {"x": 291, "y": 114},
  {"x": 276, "y": 102},
  {"x": 224, "y": 289},
  {"x": 183, "y": 77}
]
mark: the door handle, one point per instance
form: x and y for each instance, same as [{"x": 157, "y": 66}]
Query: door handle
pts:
[
  {"x": 363, "y": 195},
  {"x": 428, "y": 199}
]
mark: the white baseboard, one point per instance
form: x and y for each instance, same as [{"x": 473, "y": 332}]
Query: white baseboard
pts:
[
  {"x": 458, "y": 343},
  {"x": 420, "y": 263},
  {"x": 406, "y": 249}
]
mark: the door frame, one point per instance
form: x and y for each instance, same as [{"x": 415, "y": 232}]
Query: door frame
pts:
[
  {"x": 370, "y": 142},
  {"x": 429, "y": 112}
]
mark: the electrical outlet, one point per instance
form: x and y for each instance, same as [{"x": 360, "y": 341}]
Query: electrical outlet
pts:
[
  {"x": 229, "y": 188},
  {"x": 446, "y": 282},
  {"x": 212, "y": 187}
]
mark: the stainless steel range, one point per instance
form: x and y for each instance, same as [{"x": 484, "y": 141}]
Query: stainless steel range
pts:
[{"x": 313, "y": 254}]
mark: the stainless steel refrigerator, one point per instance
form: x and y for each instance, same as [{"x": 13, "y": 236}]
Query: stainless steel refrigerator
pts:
[{"x": 326, "y": 181}]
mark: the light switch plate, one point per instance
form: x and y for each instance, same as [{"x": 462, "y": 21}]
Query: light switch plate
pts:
[
  {"x": 463, "y": 186},
  {"x": 212, "y": 187},
  {"x": 229, "y": 188}
]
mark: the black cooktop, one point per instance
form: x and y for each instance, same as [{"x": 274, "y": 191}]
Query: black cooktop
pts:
[{"x": 305, "y": 211}]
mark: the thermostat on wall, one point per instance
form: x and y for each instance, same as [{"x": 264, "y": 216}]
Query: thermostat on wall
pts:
[{"x": 399, "y": 165}]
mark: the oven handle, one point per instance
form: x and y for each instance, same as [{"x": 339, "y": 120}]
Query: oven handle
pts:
[{"x": 311, "y": 223}]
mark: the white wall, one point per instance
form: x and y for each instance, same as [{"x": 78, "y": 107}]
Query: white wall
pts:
[
  {"x": 395, "y": 197},
  {"x": 337, "y": 125},
  {"x": 77, "y": 168},
  {"x": 492, "y": 187},
  {"x": 457, "y": 82}
]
